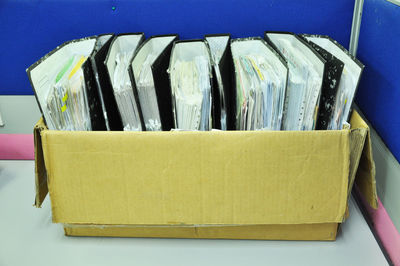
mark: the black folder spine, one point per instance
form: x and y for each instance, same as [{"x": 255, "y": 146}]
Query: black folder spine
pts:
[
  {"x": 113, "y": 115},
  {"x": 163, "y": 87},
  {"x": 95, "y": 109}
]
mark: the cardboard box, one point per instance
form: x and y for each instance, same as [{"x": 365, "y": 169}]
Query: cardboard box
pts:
[{"x": 219, "y": 184}]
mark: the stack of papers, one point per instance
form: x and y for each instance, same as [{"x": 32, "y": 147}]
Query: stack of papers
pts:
[
  {"x": 147, "y": 96},
  {"x": 67, "y": 102},
  {"x": 261, "y": 77},
  {"x": 306, "y": 70},
  {"x": 118, "y": 60},
  {"x": 190, "y": 72},
  {"x": 348, "y": 82}
]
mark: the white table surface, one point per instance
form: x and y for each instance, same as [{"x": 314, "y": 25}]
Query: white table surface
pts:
[{"x": 28, "y": 237}]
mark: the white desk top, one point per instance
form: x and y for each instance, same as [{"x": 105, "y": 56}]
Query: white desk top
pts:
[{"x": 28, "y": 237}]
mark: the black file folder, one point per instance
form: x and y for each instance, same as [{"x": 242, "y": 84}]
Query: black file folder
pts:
[
  {"x": 349, "y": 81},
  {"x": 149, "y": 77},
  {"x": 43, "y": 74},
  {"x": 223, "y": 93},
  {"x": 306, "y": 72},
  {"x": 120, "y": 53},
  {"x": 191, "y": 101},
  {"x": 110, "y": 108},
  {"x": 330, "y": 84}
]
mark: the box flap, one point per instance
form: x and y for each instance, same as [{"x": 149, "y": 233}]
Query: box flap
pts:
[
  {"x": 40, "y": 169},
  {"x": 358, "y": 135},
  {"x": 365, "y": 177},
  {"x": 218, "y": 177}
]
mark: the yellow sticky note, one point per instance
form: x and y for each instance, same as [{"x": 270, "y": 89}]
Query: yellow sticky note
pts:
[
  {"x": 65, "y": 98},
  {"x": 77, "y": 66}
]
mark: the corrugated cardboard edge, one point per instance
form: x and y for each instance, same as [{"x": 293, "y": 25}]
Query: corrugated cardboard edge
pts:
[
  {"x": 365, "y": 176},
  {"x": 357, "y": 141},
  {"x": 323, "y": 231},
  {"x": 47, "y": 158},
  {"x": 40, "y": 168}
]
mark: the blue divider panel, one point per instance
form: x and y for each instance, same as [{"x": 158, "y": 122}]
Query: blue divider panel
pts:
[
  {"x": 379, "y": 49},
  {"x": 31, "y": 28}
]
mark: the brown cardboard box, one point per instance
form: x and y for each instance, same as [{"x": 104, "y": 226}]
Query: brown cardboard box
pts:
[{"x": 235, "y": 184}]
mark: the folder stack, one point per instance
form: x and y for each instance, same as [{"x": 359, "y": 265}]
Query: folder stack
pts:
[{"x": 123, "y": 82}]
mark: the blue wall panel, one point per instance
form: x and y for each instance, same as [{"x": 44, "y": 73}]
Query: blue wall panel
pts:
[
  {"x": 31, "y": 28},
  {"x": 379, "y": 49}
]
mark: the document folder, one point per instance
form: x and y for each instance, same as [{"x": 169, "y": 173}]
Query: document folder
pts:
[
  {"x": 109, "y": 104},
  {"x": 223, "y": 94},
  {"x": 119, "y": 56},
  {"x": 65, "y": 87},
  {"x": 148, "y": 72},
  {"x": 349, "y": 80},
  {"x": 261, "y": 78},
  {"x": 330, "y": 85},
  {"x": 306, "y": 72},
  {"x": 190, "y": 75}
]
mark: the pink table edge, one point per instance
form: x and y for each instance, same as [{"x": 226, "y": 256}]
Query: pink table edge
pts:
[
  {"x": 384, "y": 228},
  {"x": 16, "y": 147}
]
